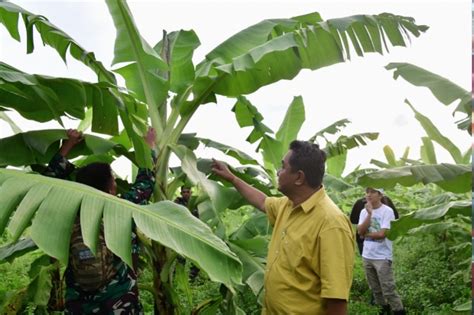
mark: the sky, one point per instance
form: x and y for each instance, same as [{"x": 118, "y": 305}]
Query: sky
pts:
[{"x": 360, "y": 90}]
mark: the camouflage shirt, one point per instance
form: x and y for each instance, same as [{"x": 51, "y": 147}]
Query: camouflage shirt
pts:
[{"x": 120, "y": 295}]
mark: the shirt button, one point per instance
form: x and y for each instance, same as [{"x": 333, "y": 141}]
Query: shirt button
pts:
[{"x": 276, "y": 252}]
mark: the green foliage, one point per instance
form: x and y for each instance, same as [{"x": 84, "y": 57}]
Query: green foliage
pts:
[
  {"x": 283, "y": 47},
  {"x": 427, "y": 277}
]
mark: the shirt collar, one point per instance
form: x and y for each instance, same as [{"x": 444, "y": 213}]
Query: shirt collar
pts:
[{"x": 314, "y": 199}]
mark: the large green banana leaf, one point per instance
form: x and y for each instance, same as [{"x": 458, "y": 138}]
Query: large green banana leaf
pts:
[
  {"x": 38, "y": 147},
  {"x": 51, "y": 36},
  {"x": 50, "y": 205},
  {"x": 291, "y": 124},
  {"x": 181, "y": 48},
  {"x": 429, "y": 215},
  {"x": 450, "y": 177},
  {"x": 143, "y": 71},
  {"x": 274, "y": 50},
  {"x": 443, "y": 89},
  {"x": 43, "y": 98}
]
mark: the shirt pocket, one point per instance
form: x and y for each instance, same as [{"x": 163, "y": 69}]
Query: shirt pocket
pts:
[{"x": 291, "y": 253}]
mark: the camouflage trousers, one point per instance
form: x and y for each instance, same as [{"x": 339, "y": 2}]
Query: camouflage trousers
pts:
[{"x": 118, "y": 297}]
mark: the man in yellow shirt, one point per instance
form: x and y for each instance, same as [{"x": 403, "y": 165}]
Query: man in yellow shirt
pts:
[{"x": 311, "y": 253}]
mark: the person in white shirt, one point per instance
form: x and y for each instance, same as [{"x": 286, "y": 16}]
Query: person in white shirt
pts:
[{"x": 374, "y": 222}]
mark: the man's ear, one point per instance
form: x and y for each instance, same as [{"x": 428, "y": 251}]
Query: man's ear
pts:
[{"x": 300, "y": 178}]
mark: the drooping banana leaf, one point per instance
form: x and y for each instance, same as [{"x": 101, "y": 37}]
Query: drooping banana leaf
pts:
[
  {"x": 278, "y": 49},
  {"x": 43, "y": 98},
  {"x": 51, "y": 36},
  {"x": 450, "y": 177},
  {"x": 443, "y": 89},
  {"x": 434, "y": 134},
  {"x": 50, "y": 205},
  {"x": 38, "y": 147},
  {"x": 428, "y": 215},
  {"x": 247, "y": 115}
]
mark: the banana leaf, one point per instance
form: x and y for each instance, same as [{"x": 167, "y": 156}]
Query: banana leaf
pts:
[
  {"x": 291, "y": 124},
  {"x": 142, "y": 73},
  {"x": 278, "y": 49},
  {"x": 428, "y": 215},
  {"x": 220, "y": 196},
  {"x": 16, "y": 249},
  {"x": 450, "y": 177},
  {"x": 43, "y": 98},
  {"x": 443, "y": 89},
  {"x": 331, "y": 129},
  {"x": 51, "y": 36},
  {"x": 50, "y": 206},
  {"x": 181, "y": 69},
  {"x": 38, "y": 147}
]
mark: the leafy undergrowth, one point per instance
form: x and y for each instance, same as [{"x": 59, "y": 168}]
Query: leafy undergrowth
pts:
[{"x": 427, "y": 278}]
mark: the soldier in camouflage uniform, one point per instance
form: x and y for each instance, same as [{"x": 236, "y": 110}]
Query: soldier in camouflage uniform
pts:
[{"x": 120, "y": 294}]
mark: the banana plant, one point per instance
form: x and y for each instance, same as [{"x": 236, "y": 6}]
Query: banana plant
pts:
[{"x": 163, "y": 88}]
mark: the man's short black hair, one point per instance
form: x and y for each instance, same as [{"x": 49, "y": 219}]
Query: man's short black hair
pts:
[
  {"x": 310, "y": 159},
  {"x": 184, "y": 187},
  {"x": 97, "y": 175}
]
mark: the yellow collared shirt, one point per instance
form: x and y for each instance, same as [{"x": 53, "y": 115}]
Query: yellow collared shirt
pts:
[{"x": 310, "y": 256}]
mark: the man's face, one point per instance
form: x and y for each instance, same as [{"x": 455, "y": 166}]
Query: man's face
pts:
[
  {"x": 286, "y": 177},
  {"x": 373, "y": 196},
  {"x": 186, "y": 193}
]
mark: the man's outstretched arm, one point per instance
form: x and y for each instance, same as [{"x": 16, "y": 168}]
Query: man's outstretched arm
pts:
[
  {"x": 59, "y": 166},
  {"x": 254, "y": 196}
]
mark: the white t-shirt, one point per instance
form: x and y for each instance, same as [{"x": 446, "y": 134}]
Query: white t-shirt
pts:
[{"x": 380, "y": 248}]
